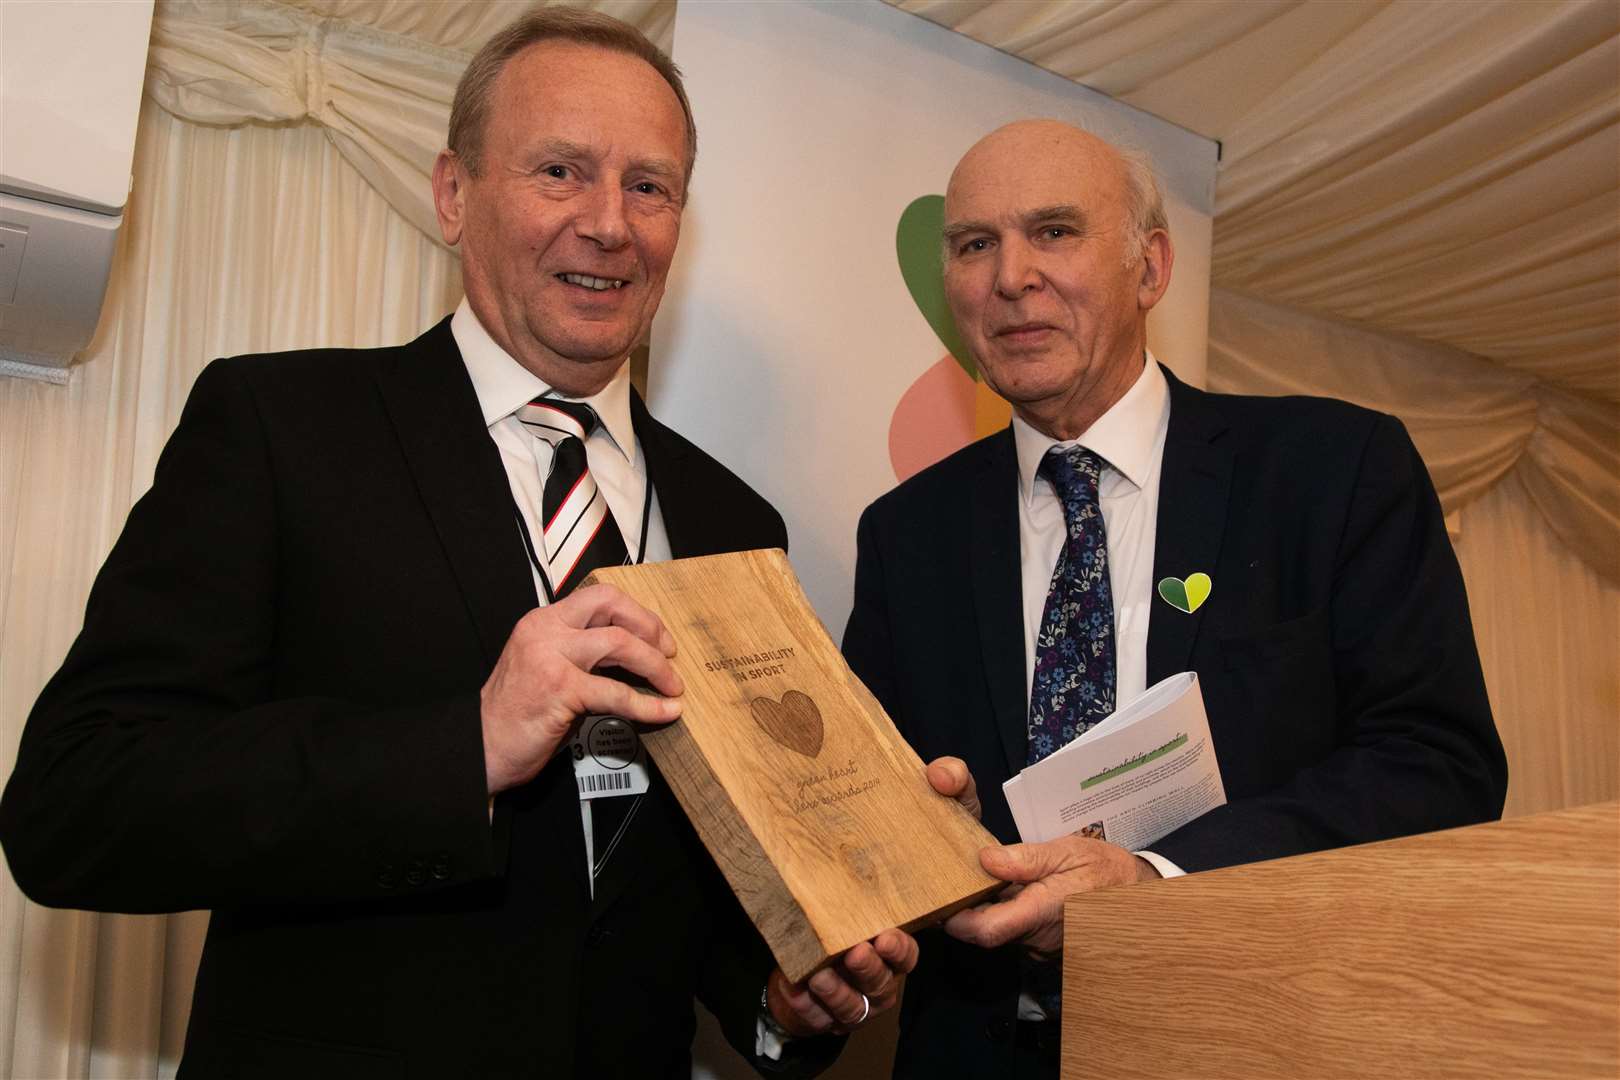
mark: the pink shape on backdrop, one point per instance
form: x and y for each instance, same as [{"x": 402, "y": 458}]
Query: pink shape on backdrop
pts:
[{"x": 933, "y": 419}]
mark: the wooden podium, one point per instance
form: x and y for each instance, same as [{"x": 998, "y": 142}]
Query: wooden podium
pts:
[{"x": 1489, "y": 951}]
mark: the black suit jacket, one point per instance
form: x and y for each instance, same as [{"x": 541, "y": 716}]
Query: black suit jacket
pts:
[
  {"x": 272, "y": 712},
  {"x": 1335, "y": 655}
]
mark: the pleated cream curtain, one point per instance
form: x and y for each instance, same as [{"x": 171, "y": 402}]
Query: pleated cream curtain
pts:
[
  {"x": 1549, "y": 630},
  {"x": 280, "y": 201},
  {"x": 1474, "y": 421},
  {"x": 239, "y": 239},
  {"x": 376, "y": 78}
]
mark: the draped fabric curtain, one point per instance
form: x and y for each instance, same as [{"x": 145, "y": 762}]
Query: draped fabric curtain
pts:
[
  {"x": 1547, "y": 626},
  {"x": 238, "y": 239},
  {"x": 377, "y": 79},
  {"x": 281, "y": 200},
  {"x": 1473, "y": 421}
]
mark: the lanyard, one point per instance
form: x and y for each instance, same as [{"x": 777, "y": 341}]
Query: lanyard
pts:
[{"x": 595, "y": 862}]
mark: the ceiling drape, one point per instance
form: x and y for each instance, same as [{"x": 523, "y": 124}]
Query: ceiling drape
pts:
[
  {"x": 377, "y": 78},
  {"x": 1473, "y": 421}
]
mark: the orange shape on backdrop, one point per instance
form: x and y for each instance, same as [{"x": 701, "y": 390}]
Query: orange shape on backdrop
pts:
[
  {"x": 990, "y": 413},
  {"x": 943, "y": 411}
]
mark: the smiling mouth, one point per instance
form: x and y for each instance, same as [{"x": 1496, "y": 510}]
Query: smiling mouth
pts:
[
  {"x": 1022, "y": 330},
  {"x": 599, "y": 284}
]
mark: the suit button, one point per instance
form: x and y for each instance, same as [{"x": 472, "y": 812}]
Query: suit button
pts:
[
  {"x": 596, "y": 935},
  {"x": 386, "y": 878},
  {"x": 998, "y": 1030},
  {"x": 441, "y": 867},
  {"x": 416, "y": 874}
]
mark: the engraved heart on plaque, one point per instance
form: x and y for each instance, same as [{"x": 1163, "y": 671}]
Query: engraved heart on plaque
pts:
[{"x": 794, "y": 722}]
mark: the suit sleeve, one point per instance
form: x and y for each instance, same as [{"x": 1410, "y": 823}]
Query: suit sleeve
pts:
[
  {"x": 730, "y": 988},
  {"x": 1414, "y": 747},
  {"x": 866, "y": 644},
  {"x": 159, "y": 771}
]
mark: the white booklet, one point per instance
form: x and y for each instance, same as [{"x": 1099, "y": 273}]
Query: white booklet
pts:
[{"x": 1140, "y": 774}]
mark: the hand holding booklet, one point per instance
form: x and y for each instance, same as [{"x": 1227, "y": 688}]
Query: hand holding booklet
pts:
[{"x": 1140, "y": 774}]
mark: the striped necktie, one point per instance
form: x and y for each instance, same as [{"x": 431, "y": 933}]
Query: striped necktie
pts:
[{"x": 578, "y": 533}]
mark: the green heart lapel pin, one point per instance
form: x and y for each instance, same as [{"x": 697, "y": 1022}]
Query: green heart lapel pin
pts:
[{"x": 1187, "y": 595}]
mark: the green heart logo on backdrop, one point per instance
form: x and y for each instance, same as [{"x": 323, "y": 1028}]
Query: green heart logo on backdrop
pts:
[
  {"x": 1187, "y": 595},
  {"x": 948, "y": 405},
  {"x": 916, "y": 242}
]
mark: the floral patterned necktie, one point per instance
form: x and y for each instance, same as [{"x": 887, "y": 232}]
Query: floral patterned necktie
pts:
[{"x": 1073, "y": 686}]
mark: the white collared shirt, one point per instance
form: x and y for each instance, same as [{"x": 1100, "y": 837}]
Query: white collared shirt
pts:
[
  {"x": 612, "y": 452},
  {"x": 1129, "y": 437}
]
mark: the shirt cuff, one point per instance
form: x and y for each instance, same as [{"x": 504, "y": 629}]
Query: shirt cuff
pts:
[
  {"x": 1164, "y": 866},
  {"x": 769, "y": 1039}
]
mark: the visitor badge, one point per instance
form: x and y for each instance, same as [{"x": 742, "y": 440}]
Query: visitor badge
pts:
[{"x": 608, "y": 758}]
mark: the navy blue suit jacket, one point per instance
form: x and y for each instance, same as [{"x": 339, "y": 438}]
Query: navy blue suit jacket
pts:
[{"x": 1335, "y": 654}]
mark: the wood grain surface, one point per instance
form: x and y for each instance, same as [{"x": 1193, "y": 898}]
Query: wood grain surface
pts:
[
  {"x": 1489, "y": 951},
  {"x": 813, "y": 806}
]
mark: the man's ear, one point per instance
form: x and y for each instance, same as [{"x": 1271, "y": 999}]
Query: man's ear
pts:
[
  {"x": 449, "y": 195},
  {"x": 1158, "y": 256}
]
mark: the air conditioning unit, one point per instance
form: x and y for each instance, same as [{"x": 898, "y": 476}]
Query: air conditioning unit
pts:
[{"x": 70, "y": 93}]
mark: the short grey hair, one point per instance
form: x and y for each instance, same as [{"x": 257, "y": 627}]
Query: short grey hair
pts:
[
  {"x": 1144, "y": 201},
  {"x": 469, "y": 111}
]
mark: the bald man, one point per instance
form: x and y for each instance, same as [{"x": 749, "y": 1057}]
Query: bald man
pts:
[{"x": 1005, "y": 598}]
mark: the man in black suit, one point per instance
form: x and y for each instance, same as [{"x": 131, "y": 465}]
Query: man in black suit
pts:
[
  {"x": 1005, "y": 598},
  {"x": 314, "y": 691}
]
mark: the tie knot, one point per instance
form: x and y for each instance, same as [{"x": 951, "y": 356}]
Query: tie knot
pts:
[
  {"x": 1073, "y": 472},
  {"x": 563, "y": 417}
]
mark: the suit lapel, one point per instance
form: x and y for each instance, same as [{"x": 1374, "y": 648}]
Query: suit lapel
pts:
[
  {"x": 466, "y": 494},
  {"x": 993, "y": 569},
  {"x": 463, "y": 485},
  {"x": 1195, "y": 480},
  {"x": 687, "y": 531}
]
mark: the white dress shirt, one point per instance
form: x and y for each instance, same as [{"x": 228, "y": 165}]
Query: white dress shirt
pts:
[
  {"x": 612, "y": 453},
  {"x": 1130, "y": 439}
]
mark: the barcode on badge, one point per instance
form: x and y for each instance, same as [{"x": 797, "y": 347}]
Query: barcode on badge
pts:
[{"x": 604, "y": 782}]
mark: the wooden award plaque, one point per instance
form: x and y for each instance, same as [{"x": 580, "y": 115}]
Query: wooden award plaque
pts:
[{"x": 815, "y": 809}]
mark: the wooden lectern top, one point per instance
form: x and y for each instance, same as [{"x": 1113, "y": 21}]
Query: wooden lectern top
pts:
[{"x": 1486, "y": 951}]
